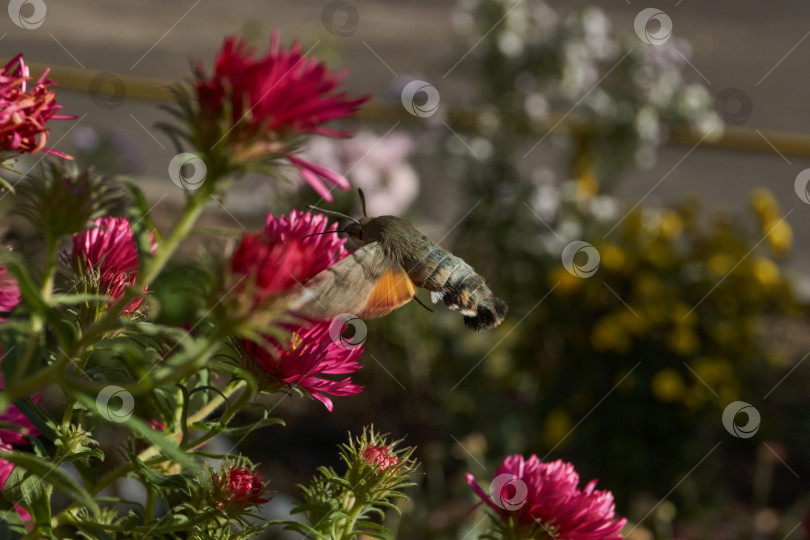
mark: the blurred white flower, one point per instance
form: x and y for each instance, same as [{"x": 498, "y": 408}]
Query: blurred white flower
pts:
[
  {"x": 604, "y": 208},
  {"x": 510, "y": 44},
  {"x": 536, "y": 106},
  {"x": 647, "y": 124},
  {"x": 378, "y": 165},
  {"x": 546, "y": 201}
]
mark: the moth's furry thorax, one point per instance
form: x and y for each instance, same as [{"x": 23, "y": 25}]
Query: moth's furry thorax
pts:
[{"x": 397, "y": 236}]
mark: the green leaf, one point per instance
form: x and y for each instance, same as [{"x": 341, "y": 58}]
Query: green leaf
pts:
[
  {"x": 30, "y": 291},
  {"x": 22, "y": 486},
  {"x": 84, "y": 298},
  {"x": 175, "y": 481},
  {"x": 37, "y": 415},
  {"x": 298, "y": 527},
  {"x": 381, "y": 532},
  {"x": 11, "y": 526},
  {"x": 88, "y": 472},
  {"x": 25, "y": 488},
  {"x": 55, "y": 476},
  {"x": 140, "y": 209},
  {"x": 242, "y": 430},
  {"x": 39, "y": 448},
  {"x": 132, "y": 521},
  {"x": 133, "y": 423},
  {"x": 93, "y": 533},
  {"x": 40, "y": 510}
]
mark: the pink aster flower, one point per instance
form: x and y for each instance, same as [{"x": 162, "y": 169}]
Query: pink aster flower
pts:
[
  {"x": 280, "y": 257},
  {"x": 269, "y": 102},
  {"x": 108, "y": 252},
  {"x": 533, "y": 498},
  {"x": 304, "y": 359},
  {"x": 24, "y": 112},
  {"x": 9, "y": 292},
  {"x": 236, "y": 488}
]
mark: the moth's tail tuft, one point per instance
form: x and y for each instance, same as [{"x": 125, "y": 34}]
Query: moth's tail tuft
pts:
[{"x": 488, "y": 315}]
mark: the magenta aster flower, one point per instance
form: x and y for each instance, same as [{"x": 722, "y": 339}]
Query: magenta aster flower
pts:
[
  {"x": 278, "y": 258},
  {"x": 330, "y": 247},
  {"x": 535, "y": 498},
  {"x": 24, "y": 112},
  {"x": 275, "y": 261},
  {"x": 269, "y": 102},
  {"x": 303, "y": 360},
  {"x": 108, "y": 252},
  {"x": 238, "y": 488},
  {"x": 9, "y": 292}
]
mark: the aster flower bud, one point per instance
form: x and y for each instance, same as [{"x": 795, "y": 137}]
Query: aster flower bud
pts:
[
  {"x": 237, "y": 488},
  {"x": 377, "y": 473},
  {"x": 380, "y": 456},
  {"x": 59, "y": 199}
]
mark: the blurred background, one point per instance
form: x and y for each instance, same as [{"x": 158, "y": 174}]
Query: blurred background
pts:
[{"x": 664, "y": 353}]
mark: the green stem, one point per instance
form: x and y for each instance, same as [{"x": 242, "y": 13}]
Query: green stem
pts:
[
  {"x": 354, "y": 514},
  {"x": 215, "y": 402},
  {"x": 149, "y": 509},
  {"x": 50, "y": 270},
  {"x": 199, "y": 518},
  {"x": 41, "y": 378},
  {"x": 167, "y": 248},
  {"x": 37, "y": 322}
]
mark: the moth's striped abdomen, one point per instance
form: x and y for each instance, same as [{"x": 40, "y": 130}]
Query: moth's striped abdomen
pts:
[{"x": 456, "y": 283}]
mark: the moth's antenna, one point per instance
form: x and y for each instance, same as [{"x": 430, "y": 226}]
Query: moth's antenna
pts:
[
  {"x": 332, "y": 213},
  {"x": 362, "y": 201},
  {"x": 324, "y": 232}
]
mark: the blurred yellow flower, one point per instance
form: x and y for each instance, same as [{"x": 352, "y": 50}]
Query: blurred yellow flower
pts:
[
  {"x": 633, "y": 224},
  {"x": 612, "y": 257},
  {"x": 567, "y": 281},
  {"x": 780, "y": 236},
  {"x": 683, "y": 314},
  {"x": 720, "y": 264},
  {"x": 713, "y": 371},
  {"x": 764, "y": 204},
  {"x": 671, "y": 225},
  {"x": 766, "y": 272},
  {"x": 558, "y": 424},
  {"x": 648, "y": 286},
  {"x": 668, "y": 385},
  {"x": 588, "y": 184},
  {"x": 609, "y": 335},
  {"x": 682, "y": 340},
  {"x": 634, "y": 323}
]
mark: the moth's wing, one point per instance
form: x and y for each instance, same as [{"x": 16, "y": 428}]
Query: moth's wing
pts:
[
  {"x": 365, "y": 283},
  {"x": 393, "y": 290}
]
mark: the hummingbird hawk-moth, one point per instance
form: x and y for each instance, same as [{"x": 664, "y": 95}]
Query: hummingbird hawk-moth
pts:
[{"x": 393, "y": 259}]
